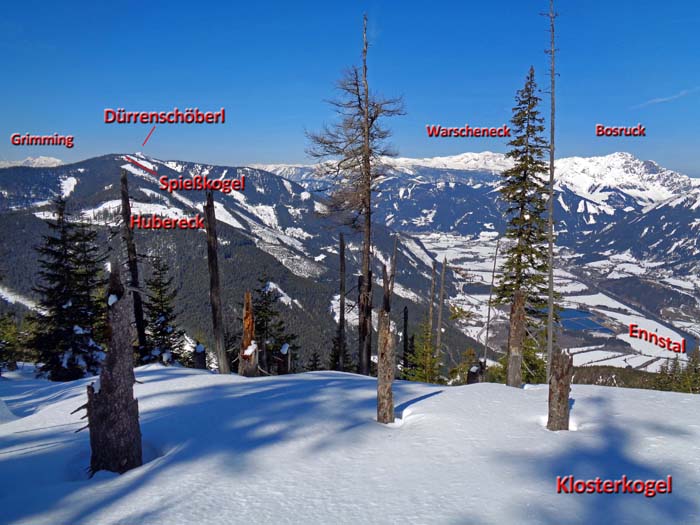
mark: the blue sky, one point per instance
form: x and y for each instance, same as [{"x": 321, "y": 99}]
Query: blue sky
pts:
[{"x": 272, "y": 64}]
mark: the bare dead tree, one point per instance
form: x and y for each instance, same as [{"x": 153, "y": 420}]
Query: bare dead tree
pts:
[
  {"x": 550, "y": 219},
  {"x": 112, "y": 410},
  {"x": 215, "y": 285},
  {"x": 431, "y": 302},
  {"x": 515, "y": 340},
  {"x": 356, "y": 144},
  {"x": 341, "y": 314},
  {"x": 386, "y": 360},
  {"x": 559, "y": 389},
  {"x": 248, "y": 358},
  {"x": 128, "y": 238},
  {"x": 405, "y": 335},
  {"x": 488, "y": 315},
  {"x": 441, "y": 304}
]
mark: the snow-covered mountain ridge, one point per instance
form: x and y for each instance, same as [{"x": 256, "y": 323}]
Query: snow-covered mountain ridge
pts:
[
  {"x": 627, "y": 229},
  {"x": 592, "y": 178},
  {"x": 32, "y": 162}
]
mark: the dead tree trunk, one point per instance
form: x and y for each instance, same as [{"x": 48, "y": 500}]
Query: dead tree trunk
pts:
[
  {"x": 515, "y": 340},
  {"x": 550, "y": 204},
  {"x": 404, "y": 360},
  {"x": 364, "y": 307},
  {"x": 488, "y": 315},
  {"x": 441, "y": 302},
  {"x": 432, "y": 300},
  {"x": 341, "y": 314},
  {"x": 248, "y": 358},
  {"x": 128, "y": 236},
  {"x": 365, "y": 304},
  {"x": 214, "y": 285},
  {"x": 559, "y": 389},
  {"x": 112, "y": 411},
  {"x": 386, "y": 361},
  {"x": 199, "y": 356}
]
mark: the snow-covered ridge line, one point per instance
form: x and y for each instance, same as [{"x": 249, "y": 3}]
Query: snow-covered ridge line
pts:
[{"x": 32, "y": 162}]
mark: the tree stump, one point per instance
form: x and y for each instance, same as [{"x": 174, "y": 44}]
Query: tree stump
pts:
[
  {"x": 112, "y": 411},
  {"x": 386, "y": 360},
  {"x": 562, "y": 371},
  {"x": 247, "y": 359},
  {"x": 199, "y": 356},
  {"x": 515, "y": 340}
]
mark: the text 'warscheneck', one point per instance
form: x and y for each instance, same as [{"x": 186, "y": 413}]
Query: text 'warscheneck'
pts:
[
  {"x": 189, "y": 116},
  {"x": 467, "y": 131}
]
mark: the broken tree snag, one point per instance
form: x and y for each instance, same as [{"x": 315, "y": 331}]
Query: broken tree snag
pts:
[
  {"x": 248, "y": 358},
  {"x": 199, "y": 356},
  {"x": 341, "y": 310},
  {"x": 441, "y": 303},
  {"x": 112, "y": 410},
  {"x": 562, "y": 370},
  {"x": 128, "y": 236},
  {"x": 386, "y": 362},
  {"x": 214, "y": 285},
  {"x": 515, "y": 340}
]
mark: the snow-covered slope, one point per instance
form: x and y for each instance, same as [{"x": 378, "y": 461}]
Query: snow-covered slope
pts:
[{"x": 306, "y": 449}]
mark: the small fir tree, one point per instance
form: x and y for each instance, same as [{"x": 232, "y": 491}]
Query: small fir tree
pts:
[
  {"x": 459, "y": 374},
  {"x": 425, "y": 364},
  {"x": 340, "y": 356},
  {"x": 314, "y": 363},
  {"x": 165, "y": 340},
  {"x": 9, "y": 342},
  {"x": 270, "y": 329}
]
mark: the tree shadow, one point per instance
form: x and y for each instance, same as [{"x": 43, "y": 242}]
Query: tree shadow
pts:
[
  {"x": 229, "y": 423},
  {"x": 609, "y": 457}
]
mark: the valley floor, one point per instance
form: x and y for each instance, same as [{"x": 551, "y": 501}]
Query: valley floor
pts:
[{"x": 306, "y": 449}]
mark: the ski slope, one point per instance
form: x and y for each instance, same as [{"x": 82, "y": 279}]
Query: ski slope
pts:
[{"x": 306, "y": 449}]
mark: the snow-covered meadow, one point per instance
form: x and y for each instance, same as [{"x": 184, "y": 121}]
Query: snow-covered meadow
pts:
[{"x": 306, "y": 449}]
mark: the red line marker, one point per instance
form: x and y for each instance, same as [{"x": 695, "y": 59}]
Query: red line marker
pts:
[
  {"x": 149, "y": 170},
  {"x": 149, "y": 136}
]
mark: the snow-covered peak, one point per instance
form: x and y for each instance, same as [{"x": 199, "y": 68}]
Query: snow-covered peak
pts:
[
  {"x": 595, "y": 177},
  {"x": 32, "y": 162},
  {"x": 484, "y": 161}
]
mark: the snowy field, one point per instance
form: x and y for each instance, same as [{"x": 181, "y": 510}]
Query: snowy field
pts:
[{"x": 306, "y": 449}]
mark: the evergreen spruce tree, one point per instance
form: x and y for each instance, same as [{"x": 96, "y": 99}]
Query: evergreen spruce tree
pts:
[
  {"x": 164, "y": 339},
  {"x": 662, "y": 379},
  {"x": 407, "y": 358},
  {"x": 340, "y": 356},
  {"x": 533, "y": 367},
  {"x": 425, "y": 364},
  {"x": 270, "y": 329},
  {"x": 89, "y": 308},
  {"x": 458, "y": 375},
  {"x": 314, "y": 363},
  {"x": 68, "y": 323},
  {"x": 524, "y": 191},
  {"x": 9, "y": 342},
  {"x": 522, "y": 282}
]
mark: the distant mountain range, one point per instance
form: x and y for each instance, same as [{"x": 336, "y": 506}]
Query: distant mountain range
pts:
[
  {"x": 32, "y": 162},
  {"x": 627, "y": 230}
]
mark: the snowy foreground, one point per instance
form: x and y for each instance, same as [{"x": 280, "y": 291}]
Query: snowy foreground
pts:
[{"x": 306, "y": 449}]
